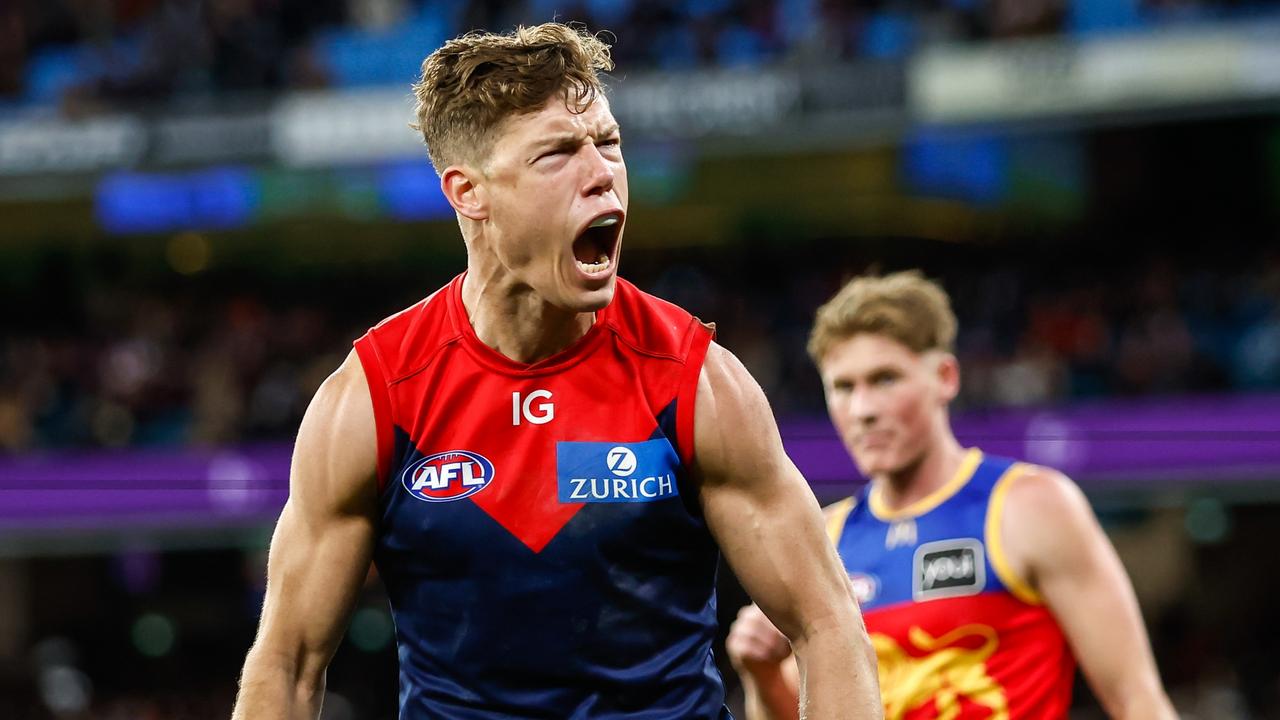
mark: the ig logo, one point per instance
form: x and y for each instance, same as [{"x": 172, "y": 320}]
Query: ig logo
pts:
[
  {"x": 542, "y": 413},
  {"x": 622, "y": 461}
]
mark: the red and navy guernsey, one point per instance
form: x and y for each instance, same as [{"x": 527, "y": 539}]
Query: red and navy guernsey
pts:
[{"x": 539, "y": 535}]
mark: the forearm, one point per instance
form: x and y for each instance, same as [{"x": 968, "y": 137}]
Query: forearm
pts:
[
  {"x": 1149, "y": 703},
  {"x": 838, "y": 675},
  {"x": 1158, "y": 712},
  {"x": 274, "y": 688}
]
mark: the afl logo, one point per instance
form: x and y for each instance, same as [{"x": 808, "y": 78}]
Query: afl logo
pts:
[
  {"x": 621, "y": 461},
  {"x": 865, "y": 587},
  {"x": 448, "y": 476}
]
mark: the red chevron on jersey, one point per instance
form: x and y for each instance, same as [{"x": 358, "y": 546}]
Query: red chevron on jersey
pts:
[
  {"x": 559, "y": 487},
  {"x": 529, "y": 510},
  {"x": 439, "y": 391}
]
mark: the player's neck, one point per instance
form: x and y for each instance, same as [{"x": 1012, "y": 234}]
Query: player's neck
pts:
[
  {"x": 935, "y": 468},
  {"x": 518, "y": 323}
]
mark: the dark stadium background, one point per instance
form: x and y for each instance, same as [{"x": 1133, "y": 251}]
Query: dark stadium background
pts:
[{"x": 202, "y": 202}]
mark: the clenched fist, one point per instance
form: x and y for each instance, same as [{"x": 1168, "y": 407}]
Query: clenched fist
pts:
[{"x": 754, "y": 643}]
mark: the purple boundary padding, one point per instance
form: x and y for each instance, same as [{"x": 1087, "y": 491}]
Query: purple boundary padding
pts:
[
  {"x": 1199, "y": 437},
  {"x": 1205, "y": 438},
  {"x": 181, "y": 487}
]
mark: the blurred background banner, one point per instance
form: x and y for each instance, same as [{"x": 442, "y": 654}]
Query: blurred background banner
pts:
[
  {"x": 186, "y": 489},
  {"x": 1102, "y": 444},
  {"x": 202, "y": 202}
]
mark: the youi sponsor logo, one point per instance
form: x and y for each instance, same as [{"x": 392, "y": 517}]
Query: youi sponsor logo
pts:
[{"x": 948, "y": 568}]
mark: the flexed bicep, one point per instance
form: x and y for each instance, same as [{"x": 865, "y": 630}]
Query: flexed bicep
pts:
[{"x": 320, "y": 552}]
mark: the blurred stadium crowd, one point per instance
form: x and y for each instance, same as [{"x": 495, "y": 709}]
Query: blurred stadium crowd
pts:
[
  {"x": 86, "y": 53},
  {"x": 220, "y": 365},
  {"x": 1164, "y": 280}
]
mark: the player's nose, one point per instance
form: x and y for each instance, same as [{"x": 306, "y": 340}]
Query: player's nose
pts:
[
  {"x": 863, "y": 407},
  {"x": 599, "y": 173}
]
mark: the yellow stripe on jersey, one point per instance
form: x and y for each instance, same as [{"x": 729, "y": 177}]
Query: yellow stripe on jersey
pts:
[
  {"x": 1020, "y": 588},
  {"x": 836, "y": 514},
  {"x": 875, "y": 503}
]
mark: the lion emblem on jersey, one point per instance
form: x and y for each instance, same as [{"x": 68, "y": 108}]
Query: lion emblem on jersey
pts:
[{"x": 947, "y": 669}]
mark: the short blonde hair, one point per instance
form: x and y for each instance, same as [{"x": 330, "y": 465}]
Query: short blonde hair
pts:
[
  {"x": 471, "y": 84},
  {"x": 905, "y": 306}
]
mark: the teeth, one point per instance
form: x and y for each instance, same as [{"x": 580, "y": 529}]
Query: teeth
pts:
[
  {"x": 598, "y": 266},
  {"x": 605, "y": 221}
]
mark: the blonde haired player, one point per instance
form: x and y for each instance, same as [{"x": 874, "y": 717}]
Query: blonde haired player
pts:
[
  {"x": 543, "y": 461},
  {"x": 981, "y": 579}
]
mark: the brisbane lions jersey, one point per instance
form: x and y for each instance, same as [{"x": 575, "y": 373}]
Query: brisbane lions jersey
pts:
[
  {"x": 539, "y": 536},
  {"x": 958, "y": 635}
]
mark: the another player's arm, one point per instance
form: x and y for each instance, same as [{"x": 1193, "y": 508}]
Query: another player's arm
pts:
[
  {"x": 1055, "y": 542},
  {"x": 762, "y": 656},
  {"x": 766, "y": 666},
  {"x": 769, "y": 528},
  {"x": 320, "y": 552}
]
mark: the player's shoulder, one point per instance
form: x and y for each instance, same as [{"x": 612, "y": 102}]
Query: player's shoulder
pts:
[
  {"x": 336, "y": 446},
  {"x": 340, "y": 405},
  {"x": 404, "y": 339},
  {"x": 1039, "y": 483},
  {"x": 348, "y": 378},
  {"x": 1044, "y": 497},
  {"x": 1047, "y": 521},
  {"x": 415, "y": 318},
  {"x": 651, "y": 324}
]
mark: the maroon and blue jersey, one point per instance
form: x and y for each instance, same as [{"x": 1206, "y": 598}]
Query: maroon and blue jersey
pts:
[{"x": 539, "y": 536}]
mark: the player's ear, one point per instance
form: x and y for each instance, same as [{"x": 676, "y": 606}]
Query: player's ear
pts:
[
  {"x": 948, "y": 369},
  {"x": 461, "y": 188}
]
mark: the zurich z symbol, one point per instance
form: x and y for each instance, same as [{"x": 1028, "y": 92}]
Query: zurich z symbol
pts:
[
  {"x": 448, "y": 476},
  {"x": 621, "y": 461},
  {"x": 597, "y": 472}
]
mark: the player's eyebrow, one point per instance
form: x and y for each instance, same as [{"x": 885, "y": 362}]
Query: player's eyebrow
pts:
[
  {"x": 556, "y": 139},
  {"x": 568, "y": 138}
]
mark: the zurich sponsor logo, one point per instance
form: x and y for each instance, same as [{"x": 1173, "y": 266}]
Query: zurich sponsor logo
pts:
[
  {"x": 599, "y": 472},
  {"x": 448, "y": 476},
  {"x": 621, "y": 461}
]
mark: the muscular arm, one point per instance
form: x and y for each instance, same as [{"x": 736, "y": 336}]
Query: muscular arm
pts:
[
  {"x": 764, "y": 661},
  {"x": 769, "y": 528},
  {"x": 1055, "y": 542},
  {"x": 320, "y": 552}
]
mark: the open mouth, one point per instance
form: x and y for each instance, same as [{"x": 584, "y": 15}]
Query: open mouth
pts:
[{"x": 596, "y": 246}]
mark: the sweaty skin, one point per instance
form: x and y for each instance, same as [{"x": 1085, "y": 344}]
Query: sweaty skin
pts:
[
  {"x": 889, "y": 405},
  {"x": 551, "y": 173}
]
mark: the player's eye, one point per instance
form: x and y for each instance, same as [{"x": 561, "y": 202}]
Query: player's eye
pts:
[{"x": 883, "y": 379}]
